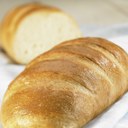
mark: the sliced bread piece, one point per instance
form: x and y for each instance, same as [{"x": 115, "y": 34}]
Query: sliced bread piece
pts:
[{"x": 32, "y": 29}]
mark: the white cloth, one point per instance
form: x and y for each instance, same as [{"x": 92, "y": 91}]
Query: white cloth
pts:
[
  {"x": 7, "y": 73},
  {"x": 114, "y": 117}
]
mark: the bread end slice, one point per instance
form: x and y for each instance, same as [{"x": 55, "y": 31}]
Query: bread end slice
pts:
[{"x": 36, "y": 31}]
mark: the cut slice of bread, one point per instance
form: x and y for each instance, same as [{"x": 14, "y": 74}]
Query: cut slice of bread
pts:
[{"x": 32, "y": 29}]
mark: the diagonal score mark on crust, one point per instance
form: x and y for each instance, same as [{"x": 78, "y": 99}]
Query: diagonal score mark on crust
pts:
[
  {"x": 74, "y": 57},
  {"x": 98, "y": 48},
  {"x": 112, "y": 48},
  {"x": 108, "y": 55}
]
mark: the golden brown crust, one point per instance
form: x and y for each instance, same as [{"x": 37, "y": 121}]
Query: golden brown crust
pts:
[{"x": 67, "y": 86}]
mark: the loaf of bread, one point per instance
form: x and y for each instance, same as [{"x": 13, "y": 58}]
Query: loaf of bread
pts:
[
  {"x": 32, "y": 29},
  {"x": 67, "y": 86}
]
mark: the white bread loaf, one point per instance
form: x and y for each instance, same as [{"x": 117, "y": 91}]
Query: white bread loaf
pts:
[
  {"x": 67, "y": 86},
  {"x": 32, "y": 29}
]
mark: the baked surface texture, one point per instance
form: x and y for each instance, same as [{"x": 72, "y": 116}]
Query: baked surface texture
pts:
[
  {"x": 67, "y": 86},
  {"x": 31, "y": 29}
]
